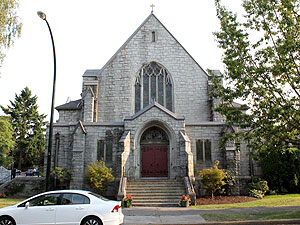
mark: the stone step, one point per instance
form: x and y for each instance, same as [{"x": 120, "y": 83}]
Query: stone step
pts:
[
  {"x": 161, "y": 194},
  {"x": 169, "y": 201},
  {"x": 156, "y": 197},
  {"x": 165, "y": 204},
  {"x": 156, "y": 181},
  {"x": 154, "y": 189},
  {"x": 156, "y": 185},
  {"x": 156, "y": 193}
]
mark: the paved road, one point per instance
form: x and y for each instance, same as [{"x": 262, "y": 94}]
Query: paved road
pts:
[{"x": 177, "y": 215}]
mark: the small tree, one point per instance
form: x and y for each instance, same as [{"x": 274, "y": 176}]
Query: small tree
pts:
[
  {"x": 261, "y": 57},
  {"x": 61, "y": 178},
  {"x": 10, "y": 25},
  {"x": 99, "y": 176},
  {"x": 28, "y": 129},
  {"x": 213, "y": 178},
  {"x": 6, "y": 142}
]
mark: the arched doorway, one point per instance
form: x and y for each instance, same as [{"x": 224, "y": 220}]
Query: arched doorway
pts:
[{"x": 154, "y": 153}]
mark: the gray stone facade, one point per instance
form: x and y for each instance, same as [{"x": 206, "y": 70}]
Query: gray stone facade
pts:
[{"x": 104, "y": 120}]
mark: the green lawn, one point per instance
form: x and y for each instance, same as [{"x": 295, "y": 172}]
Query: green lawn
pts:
[
  {"x": 268, "y": 201},
  {"x": 9, "y": 201},
  {"x": 295, "y": 214}
]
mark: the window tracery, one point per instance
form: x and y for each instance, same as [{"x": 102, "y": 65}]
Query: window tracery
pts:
[
  {"x": 153, "y": 83},
  {"x": 154, "y": 135}
]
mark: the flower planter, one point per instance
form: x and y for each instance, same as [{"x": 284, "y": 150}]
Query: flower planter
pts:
[
  {"x": 127, "y": 201},
  {"x": 126, "y": 204},
  {"x": 185, "y": 201},
  {"x": 185, "y": 204}
]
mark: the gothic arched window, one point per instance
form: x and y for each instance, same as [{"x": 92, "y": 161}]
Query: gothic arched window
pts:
[{"x": 153, "y": 83}]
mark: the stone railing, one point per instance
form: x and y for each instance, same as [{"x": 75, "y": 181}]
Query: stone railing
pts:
[
  {"x": 122, "y": 188},
  {"x": 189, "y": 189}
]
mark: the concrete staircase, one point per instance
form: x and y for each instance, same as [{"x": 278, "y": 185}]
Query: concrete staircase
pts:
[{"x": 155, "y": 193}]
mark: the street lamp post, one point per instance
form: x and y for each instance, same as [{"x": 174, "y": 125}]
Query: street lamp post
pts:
[{"x": 43, "y": 17}]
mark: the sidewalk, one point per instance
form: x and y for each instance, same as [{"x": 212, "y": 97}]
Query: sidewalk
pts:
[{"x": 177, "y": 215}]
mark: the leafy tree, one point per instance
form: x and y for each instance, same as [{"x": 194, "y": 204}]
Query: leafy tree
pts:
[
  {"x": 213, "y": 178},
  {"x": 262, "y": 69},
  {"x": 28, "y": 128},
  {"x": 282, "y": 169},
  {"x": 99, "y": 176},
  {"x": 6, "y": 141},
  {"x": 10, "y": 25}
]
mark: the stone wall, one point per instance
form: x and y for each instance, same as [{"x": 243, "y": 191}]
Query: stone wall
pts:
[
  {"x": 23, "y": 186},
  {"x": 207, "y": 130},
  {"x": 172, "y": 125},
  {"x": 116, "y": 81},
  {"x": 69, "y": 116}
]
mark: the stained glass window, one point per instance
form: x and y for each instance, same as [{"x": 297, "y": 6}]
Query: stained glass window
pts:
[{"x": 153, "y": 83}]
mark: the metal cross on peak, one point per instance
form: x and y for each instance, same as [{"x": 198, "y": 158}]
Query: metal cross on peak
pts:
[{"x": 152, "y": 6}]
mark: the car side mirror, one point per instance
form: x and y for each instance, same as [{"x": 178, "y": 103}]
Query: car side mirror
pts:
[{"x": 27, "y": 205}]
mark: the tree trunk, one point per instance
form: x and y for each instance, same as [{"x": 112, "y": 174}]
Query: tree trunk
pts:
[{"x": 20, "y": 159}]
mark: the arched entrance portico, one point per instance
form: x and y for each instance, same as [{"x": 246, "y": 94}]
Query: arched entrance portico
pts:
[{"x": 154, "y": 145}]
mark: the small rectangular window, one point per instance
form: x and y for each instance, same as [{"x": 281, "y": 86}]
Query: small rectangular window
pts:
[
  {"x": 137, "y": 97},
  {"x": 100, "y": 150},
  {"x": 95, "y": 111},
  {"x": 105, "y": 151},
  {"x": 203, "y": 150},
  {"x": 207, "y": 147},
  {"x": 199, "y": 148},
  {"x": 153, "y": 36},
  {"x": 109, "y": 150}
]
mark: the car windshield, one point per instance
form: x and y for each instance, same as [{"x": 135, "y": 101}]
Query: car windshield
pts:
[{"x": 99, "y": 196}]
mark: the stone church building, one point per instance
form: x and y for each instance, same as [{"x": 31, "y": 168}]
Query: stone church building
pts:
[{"x": 148, "y": 113}]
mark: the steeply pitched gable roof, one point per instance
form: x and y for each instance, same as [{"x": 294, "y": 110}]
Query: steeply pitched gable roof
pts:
[{"x": 135, "y": 32}]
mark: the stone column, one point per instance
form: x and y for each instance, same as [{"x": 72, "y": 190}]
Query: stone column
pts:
[
  {"x": 90, "y": 103},
  {"x": 78, "y": 157},
  {"x": 187, "y": 161},
  {"x": 233, "y": 159}
]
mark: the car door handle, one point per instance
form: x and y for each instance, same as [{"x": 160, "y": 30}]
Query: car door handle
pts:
[
  {"x": 50, "y": 209},
  {"x": 79, "y": 208}
]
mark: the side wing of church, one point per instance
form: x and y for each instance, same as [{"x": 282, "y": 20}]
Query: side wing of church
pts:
[{"x": 148, "y": 114}]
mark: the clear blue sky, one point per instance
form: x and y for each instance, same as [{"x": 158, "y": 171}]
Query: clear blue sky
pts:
[{"x": 87, "y": 33}]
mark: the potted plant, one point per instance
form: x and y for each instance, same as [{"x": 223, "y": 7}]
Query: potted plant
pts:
[
  {"x": 127, "y": 201},
  {"x": 185, "y": 201}
]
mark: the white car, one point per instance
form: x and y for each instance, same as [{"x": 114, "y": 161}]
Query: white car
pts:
[{"x": 71, "y": 207}]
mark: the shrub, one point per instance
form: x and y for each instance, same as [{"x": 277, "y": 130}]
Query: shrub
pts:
[
  {"x": 99, "y": 176},
  {"x": 272, "y": 192},
  {"x": 258, "y": 188},
  {"x": 213, "y": 178},
  {"x": 229, "y": 181},
  {"x": 62, "y": 177},
  {"x": 256, "y": 193}
]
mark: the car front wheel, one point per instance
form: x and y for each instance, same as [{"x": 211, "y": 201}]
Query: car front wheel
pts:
[
  {"x": 91, "y": 221},
  {"x": 7, "y": 221}
]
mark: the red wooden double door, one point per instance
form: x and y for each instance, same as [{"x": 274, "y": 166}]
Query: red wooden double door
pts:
[{"x": 154, "y": 160}]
